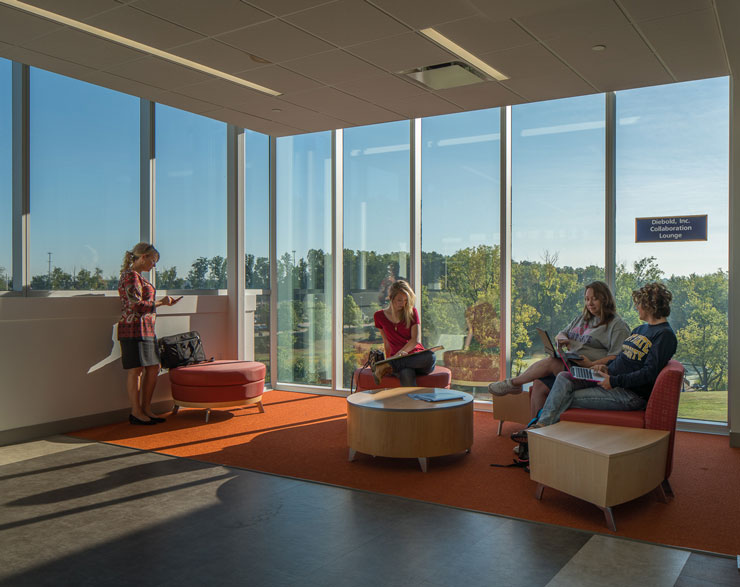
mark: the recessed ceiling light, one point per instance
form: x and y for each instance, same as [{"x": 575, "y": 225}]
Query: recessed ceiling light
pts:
[
  {"x": 126, "y": 42},
  {"x": 598, "y": 48},
  {"x": 277, "y": 109},
  {"x": 453, "y": 47}
]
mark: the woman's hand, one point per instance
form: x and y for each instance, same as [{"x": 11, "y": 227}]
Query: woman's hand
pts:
[
  {"x": 584, "y": 362},
  {"x": 603, "y": 370},
  {"x": 168, "y": 301},
  {"x": 562, "y": 340}
]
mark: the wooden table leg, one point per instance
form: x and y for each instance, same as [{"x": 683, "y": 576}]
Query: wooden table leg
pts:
[
  {"x": 609, "y": 515},
  {"x": 351, "y": 454},
  {"x": 423, "y": 464},
  {"x": 540, "y": 489}
]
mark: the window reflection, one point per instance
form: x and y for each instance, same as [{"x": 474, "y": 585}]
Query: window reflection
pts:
[
  {"x": 376, "y": 231},
  {"x": 460, "y": 244},
  {"x": 304, "y": 260},
  {"x": 84, "y": 182}
]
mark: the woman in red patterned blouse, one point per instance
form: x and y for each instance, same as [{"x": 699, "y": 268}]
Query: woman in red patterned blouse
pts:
[
  {"x": 400, "y": 328},
  {"x": 139, "y": 353}
]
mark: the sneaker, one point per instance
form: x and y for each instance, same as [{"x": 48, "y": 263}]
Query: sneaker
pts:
[
  {"x": 517, "y": 448},
  {"x": 504, "y": 387},
  {"x": 519, "y": 436},
  {"x": 380, "y": 371}
]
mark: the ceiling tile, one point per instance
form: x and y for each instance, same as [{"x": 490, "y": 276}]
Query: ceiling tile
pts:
[
  {"x": 425, "y": 13},
  {"x": 402, "y": 52},
  {"x": 631, "y": 73},
  {"x": 125, "y": 85},
  {"x": 584, "y": 15},
  {"x": 230, "y": 95},
  {"x": 159, "y": 73},
  {"x": 88, "y": 50},
  {"x": 283, "y": 7},
  {"x": 332, "y": 67},
  {"x": 702, "y": 58},
  {"x": 48, "y": 62},
  {"x": 640, "y": 10},
  {"x": 506, "y": 9},
  {"x": 276, "y": 41},
  {"x": 279, "y": 79},
  {"x": 347, "y": 22},
  {"x": 549, "y": 86},
  {"x": 17, "y": 26},
  {"x": 340, "y": 105},
  {"x": 178, "y": 100},
  {"x": 306, "y": 120},
  {"x": 482, "y": 95},
  {"x": 77, "y": 9},
  {"x": 422, "y": 105},
  {"x": 525, "y": 61},
  {"x": 479, "y": 34},
  {"x": 219, "y": 56},
  {"x": 255, "y": 123},
  {"x": 144, "y": 28},
  {"x": 380, "y": 87},
  {"x": 218, "y": 17}
]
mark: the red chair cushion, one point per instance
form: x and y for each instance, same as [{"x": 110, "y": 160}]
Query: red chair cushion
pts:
[
  {"x": 440, "y": 377},
  {"x": 218, "y": 374},
  {"x": 216, "y": 394}
]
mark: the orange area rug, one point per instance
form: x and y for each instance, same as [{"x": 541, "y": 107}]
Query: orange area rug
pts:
[{"x": 305, "y": 436}]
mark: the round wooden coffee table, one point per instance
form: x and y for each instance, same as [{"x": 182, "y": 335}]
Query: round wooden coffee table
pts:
[{"x": 388, "y": 423}]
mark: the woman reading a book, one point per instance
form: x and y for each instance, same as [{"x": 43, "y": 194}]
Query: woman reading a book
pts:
[
  {"x": 596, "y": 335},
  {"x": 400, "y": 328}
]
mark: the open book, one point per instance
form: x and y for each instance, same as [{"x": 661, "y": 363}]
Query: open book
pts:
[{"x": 429, "y": 350}]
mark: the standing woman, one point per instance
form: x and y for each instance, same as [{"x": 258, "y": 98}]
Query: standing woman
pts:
[
  {"x": 139, "y": 352},
  {"x": 400, "y": 328}
]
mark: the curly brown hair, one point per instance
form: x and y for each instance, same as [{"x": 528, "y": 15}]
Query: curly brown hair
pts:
[{"x": 655, "y": 298}]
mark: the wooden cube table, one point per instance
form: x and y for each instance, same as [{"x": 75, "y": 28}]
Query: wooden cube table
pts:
[{"x": 604, "y": 465}]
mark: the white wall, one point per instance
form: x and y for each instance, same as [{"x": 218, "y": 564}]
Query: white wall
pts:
[{"x": 49, "y": 345}]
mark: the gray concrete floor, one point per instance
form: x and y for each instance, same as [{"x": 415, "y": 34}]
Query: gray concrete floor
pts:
[{"x": 77, "y": 513}]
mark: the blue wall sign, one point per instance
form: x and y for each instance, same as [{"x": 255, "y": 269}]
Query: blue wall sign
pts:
[{"x": 671, "y": 229}]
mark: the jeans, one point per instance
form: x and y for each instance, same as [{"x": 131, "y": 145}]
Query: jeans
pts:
[
  {"x": 576, "y": 393},
  {"x": 407, "y": 368}
]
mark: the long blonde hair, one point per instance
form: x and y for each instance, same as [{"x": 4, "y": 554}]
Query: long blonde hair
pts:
[
  {"x": 137, "y": 251},
  {"x": 401, "y": 286}
]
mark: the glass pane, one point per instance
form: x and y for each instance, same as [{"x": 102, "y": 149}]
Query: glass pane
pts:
[
  {"x": 460, "y": 244},
  {"x": 190, "y": 200},
  {"x": 257, "y": 237},
  {"x": 672, "y": 160},
  {"x": 6, "y": 175},
  {"x": 557, "y": 216},
  {"x": 84, "y": 181},
  {"x": 376, "y": 243},
  {"x": 304, "y": 258}
]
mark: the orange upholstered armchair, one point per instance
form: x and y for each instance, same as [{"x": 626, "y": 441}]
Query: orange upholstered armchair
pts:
[
  {"x": 478, "y": 366},
  {"x": 659, "y": 414}
]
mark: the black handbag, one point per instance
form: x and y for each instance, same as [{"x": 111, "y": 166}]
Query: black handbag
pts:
[
  {"x": 183, "y": 349},
  {"x": 373, "y": 357}
]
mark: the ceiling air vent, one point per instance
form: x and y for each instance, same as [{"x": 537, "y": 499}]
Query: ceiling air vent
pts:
[{"x": 446, "y": 75}]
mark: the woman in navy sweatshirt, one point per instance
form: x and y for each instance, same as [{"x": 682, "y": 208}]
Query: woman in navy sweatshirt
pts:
[{"x": 631, "y": 375}]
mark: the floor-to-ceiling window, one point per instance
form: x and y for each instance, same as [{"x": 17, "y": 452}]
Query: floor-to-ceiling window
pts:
[
  {"x": 84, "y": 182},
  {"x": 304, "y": 259},
  {"x": 460, "y": 156},
  {"x": 190, "y": 195},
  {"x": 376, "y": 230},
  {"x": 257, "y": 237},
  {"x": 672, "y": 189},
  {"x": 557, "y": 216},
  {"x": 6, "y": 176}
]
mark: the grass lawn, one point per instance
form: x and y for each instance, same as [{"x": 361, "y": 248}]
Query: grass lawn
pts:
[{"x": 703, "y": 405}]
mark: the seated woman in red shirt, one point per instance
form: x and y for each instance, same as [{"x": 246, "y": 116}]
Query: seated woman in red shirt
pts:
[{"x": 400, "y": 328}]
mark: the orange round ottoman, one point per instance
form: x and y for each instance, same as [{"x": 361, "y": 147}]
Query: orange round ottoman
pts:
[
  {"x": 218, "y": 384},
  {"x": 440, "y": 377}
]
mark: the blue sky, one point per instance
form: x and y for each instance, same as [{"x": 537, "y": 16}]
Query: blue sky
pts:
[{"x": 672, "y": 152}]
